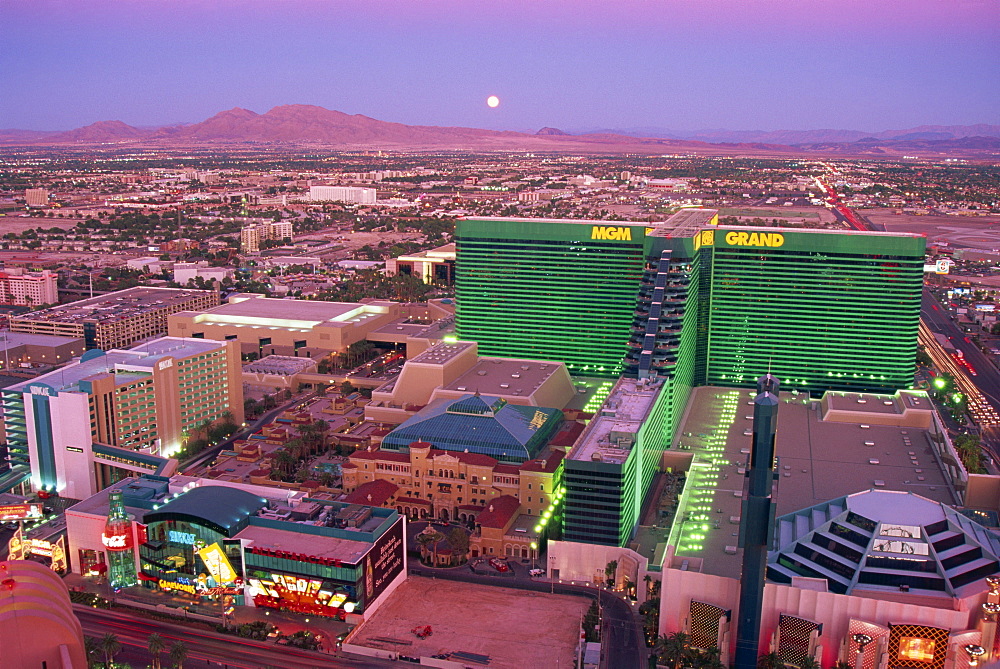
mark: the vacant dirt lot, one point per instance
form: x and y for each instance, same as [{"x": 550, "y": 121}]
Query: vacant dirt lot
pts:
[
  {"x": 978, "y": 232},
  {"x": 515, "y": 628}
]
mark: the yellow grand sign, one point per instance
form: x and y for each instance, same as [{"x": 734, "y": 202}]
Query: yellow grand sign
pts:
[
  {"x": 773, "y": 239},
  {"x": 615, "y": 232}
]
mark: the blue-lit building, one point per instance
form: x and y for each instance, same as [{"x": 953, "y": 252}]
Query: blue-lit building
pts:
[
  {"x": 479, "y": 424},
  {"x": 246, "y": 545}
]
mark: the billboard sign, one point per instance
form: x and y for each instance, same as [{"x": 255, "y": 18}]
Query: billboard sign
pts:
[
  {"x": 23, "y": 511},
  {"x": 218, "y": 564},
  {"x": 383, "y": 563}
]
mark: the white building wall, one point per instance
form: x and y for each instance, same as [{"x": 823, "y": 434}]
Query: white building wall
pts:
[{"x": 350, "y": 194}]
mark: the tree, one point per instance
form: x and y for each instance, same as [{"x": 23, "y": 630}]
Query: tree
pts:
[
  {"x": 110, "y": 646},
  {"x": 770, "y": 661},
  {"x": 91, "y": 647},
  {"x": 673, "y": 649},
  {"x": 609, "y": 571},
  {"x": 178, "y": 653},
  {"x": 459, "y": 541},
  {"x": 156, "y": 645},
  {"x": 809, "y": 662}
]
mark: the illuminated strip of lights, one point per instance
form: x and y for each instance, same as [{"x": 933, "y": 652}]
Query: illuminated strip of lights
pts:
[{"x": 703, "y": 477}]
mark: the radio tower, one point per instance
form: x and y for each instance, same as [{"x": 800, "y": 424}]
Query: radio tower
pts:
[
  {"x": 117, "y": 541},
  {"x": 758, "y": 521}
]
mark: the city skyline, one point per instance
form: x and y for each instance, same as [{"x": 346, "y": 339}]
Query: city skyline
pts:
[{"x": 763, "y": 65}]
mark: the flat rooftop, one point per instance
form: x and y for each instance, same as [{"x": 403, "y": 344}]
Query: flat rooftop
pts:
[
  {"x": 116, "y": 306},
  {"x": 685, "y": 223},
  {"x": 256, "y": 310},
  {"x": 515, "y": 628},
  {"x": 817, "y": 461},
  {"x": 132, "y": 364},
  {"x": 610, "y": 435},
  {"x": 442, "y": 353},
  {"x": 504, "y": 376},
  {"x": 14, "y": 339},
  {"x": 299, "y": 542}
]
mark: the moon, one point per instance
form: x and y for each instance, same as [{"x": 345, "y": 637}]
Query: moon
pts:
[{"x": 493, "y": 101}]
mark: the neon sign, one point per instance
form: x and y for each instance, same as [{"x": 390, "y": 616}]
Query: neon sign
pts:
[
  {"x": 181, "y": 537},
  {"x": 180, "y": 587},
  {"x": 755, "y": 239}
]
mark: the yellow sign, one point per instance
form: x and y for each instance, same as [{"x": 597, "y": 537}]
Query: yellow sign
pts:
[
  {"x": 774, "y": 239},
  {"x": 217, "y": 563},
  {"x": 618, "y": 233},
  {"x": 181, "y": 587}
]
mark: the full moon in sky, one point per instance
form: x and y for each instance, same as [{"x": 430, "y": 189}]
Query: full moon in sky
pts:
[{"x": 493, "y": 101}]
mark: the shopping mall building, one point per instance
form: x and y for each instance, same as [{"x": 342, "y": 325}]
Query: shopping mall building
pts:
[{"x": 248, "y": 545}]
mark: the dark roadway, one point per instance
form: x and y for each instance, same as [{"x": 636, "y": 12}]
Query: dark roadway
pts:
[
  {"x": 987, "y": 378},
  {"x": 208, "y": 648}
]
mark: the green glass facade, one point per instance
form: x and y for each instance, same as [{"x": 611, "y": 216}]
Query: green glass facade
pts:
[
  {"x": 686, "y": 304},
  {"x": 548, "y": 290},
  {"x": 822, "y": 311}
]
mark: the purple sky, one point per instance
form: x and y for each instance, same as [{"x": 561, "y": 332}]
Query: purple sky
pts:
[{"x": 574, "y": 64}]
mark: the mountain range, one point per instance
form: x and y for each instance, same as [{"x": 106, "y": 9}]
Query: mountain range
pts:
[{"x": 308, "y": 124}]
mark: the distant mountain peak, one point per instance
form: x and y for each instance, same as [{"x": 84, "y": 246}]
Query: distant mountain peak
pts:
[{"x": 551, "y": 131}]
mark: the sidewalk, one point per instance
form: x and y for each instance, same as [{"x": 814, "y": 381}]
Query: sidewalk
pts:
[{"x": 287, "y": 623}]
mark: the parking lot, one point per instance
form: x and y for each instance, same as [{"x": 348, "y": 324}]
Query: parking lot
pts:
[{"x": 515, "y": 628}]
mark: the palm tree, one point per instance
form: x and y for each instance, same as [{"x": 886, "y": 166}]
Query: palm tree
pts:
[
  {"x": 110, "y": 646},
  {"x": 674, "y": 649},
  {"x": 610, "y": 570},
  {"x": 770, "y": 661},
  {"x": 809, "y": 662},
  {"x": 178, "y": 653},
  {"x": 156, "y": 645},
  {"x": 91, "y": 646}
]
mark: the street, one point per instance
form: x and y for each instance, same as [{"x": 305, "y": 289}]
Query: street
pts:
[{"x": 208, "y": 648}]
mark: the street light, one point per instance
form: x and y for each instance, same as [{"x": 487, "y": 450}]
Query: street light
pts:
[
  {"x": 974, "y": 652},
  {"x": 862, "y": 640}
]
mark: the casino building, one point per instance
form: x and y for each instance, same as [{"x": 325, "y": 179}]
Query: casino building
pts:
[
  {"x": 693, "y": 300},
  {"x": 240, "y": 544},
  {"x": 675, "y": 305}
]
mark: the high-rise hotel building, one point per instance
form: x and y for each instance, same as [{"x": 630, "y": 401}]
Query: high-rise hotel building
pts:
[
  {"x": 680, "y": 304},
  {"x": 124, "y": 412},
  {"x": 823, "y": 309}
]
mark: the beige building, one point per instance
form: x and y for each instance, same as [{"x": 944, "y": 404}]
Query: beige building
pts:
[
  {"x": 120, "y": 410},
  {"x": 451, "y": 370},
  {"x": 252, "y": 235},
  {"x": 22, "y": 351},
  {"x": 115, "y": 320},
  {"x": 449, "y": 485},
  {"x": 31, "y": 289},
  {"x": 270, "y": 326},
  {"x": 36, "y": 197},
  {"x": 434, "y": 266}
]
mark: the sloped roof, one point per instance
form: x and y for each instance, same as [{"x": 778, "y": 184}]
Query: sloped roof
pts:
[
  {"x": 372, "y": 493},
  {"x": 500, "y": 511},
  {"x": 220, "y": 507},
  {"x": 479, "y": 424},
  {"x": 884, "y": 540}
]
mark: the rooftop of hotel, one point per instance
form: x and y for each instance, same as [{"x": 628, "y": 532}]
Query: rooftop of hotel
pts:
[
  {"x": 12, "y": 339},
  {"x": 441, "y": 354},
  {"x": 684, "y": 223},
  {"x": 255, "y": 310},
  {"x": 133, "y": 363},
  {"x": 818, "y": 460},
  {"x": 295, "y": 542},
  {"x": 505, "y": 376},
  {"x": 115, "y": 306},
  {"x": 610, "y": 435}
]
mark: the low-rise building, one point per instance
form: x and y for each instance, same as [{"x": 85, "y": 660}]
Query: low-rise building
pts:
[
  {"x": 202, "y": 540},
  {"x": 117, "y": 319}
]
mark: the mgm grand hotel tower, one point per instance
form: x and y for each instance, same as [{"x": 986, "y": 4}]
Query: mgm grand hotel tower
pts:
[{"x": 684, "y": 303}]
